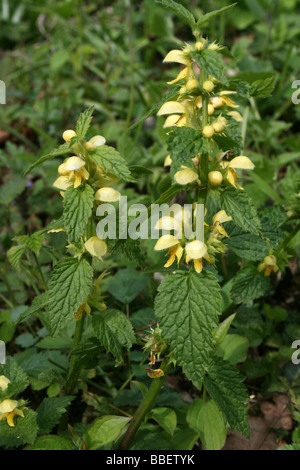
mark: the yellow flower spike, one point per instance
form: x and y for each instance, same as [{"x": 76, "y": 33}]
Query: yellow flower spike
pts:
[
  {"x": 171, "y": 107},
  {"x": 215, "y": 178},
  {"x": 184, "y": 177},
  {"x": 196, "y": 250},
  {"x": 192, "y": 84},
  {"x": 4, "y": 382},
  {"x": 172, "y": 120},
  {"x": 236, "y": 116},
  {"x": 168, "y": 161},
  {"x": 97, "y": 141},
  {"x": 68, "y": 135},
  {"x": 208, "y": 131},
  {"x": 165, "y": 242},
  {"x": 183, "y": 74},
  {"x": 269, "y": 265},
  {"x": 242, "y": 163},
  {"x": 177, "y": 56},
  {"x": 208, "y": 86},
  {"x": 221, "y": 217},
  {"x": 62, "y": 182},
  {"x": 96, "y": 247},
  {"x": 107, "y": 195}
]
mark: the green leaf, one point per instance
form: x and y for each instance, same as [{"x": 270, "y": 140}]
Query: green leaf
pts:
[
  {"x": 51, "y": 443},
  {"x": 61, "y": 150},
  {"x": 205, "y": 418},
  {"x": 184, "y": 143},
  {"x": 179, "y": 10},
  {"x": 166, "y": 418},
  {"x": 12, "y": 189},
  {"x": 246, "y": 245},
  {"x": 212, "y": 14},
  {"x": 78, "y": 206},
  {"x": 220, "y": 333},
  {"x": 50, "y": 411},
  {"x": 15, "y": 254},
  {"x": 84, "y": 122},
  {"x": 104, "y": 430},
  {"x": 240, "y": 207},
  {"x": 114, "y": 331},
  {"x": 38, "y": 303},
  {"x": 127, "y": 284},
  {"x": 211, "y": 61},
  {"x": 266, "y": 188},
  {"x": 33, "y": 242},
  {"x": 70, "y": 286},
  {"x": 24, "y": 432},
  {"x": 184, "y": 439},
  {"x": 112, "y": 162},
  {"x": 188, "y": 305},
  {"x": 262, "y": 84},
  {"x": 18, "y": 379},
  {"x": 233, "y": 349},
  {"x": 225, "y": 385},
  {"x": 58, "y": 60},
  {"x": 249, "y": 284}
]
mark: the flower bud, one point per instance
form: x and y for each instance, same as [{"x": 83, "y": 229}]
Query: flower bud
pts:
[
  {"x": 218, "y": 126},
  {"x": 215, "y": 178},
  {"x": 208, "y": 86},
  {"x": 208, "y": 131},
  {"x": 192, "y": 84},
  {"x": 68, "y": 135},
  {"x": 199, "y": 46},
  {"x": 211, "y": 110}
]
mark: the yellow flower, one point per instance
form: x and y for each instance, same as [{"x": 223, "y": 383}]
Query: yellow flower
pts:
[
  {"x": 241, "y": 163},
  {"x": 219, "y": 219},
  {"x": 215, "y": 178},
  {"x": 8, "y": 410},
  {"x": 269, "y": 265},
  {"x": 182, "y": 74},
  {"x": 177, "y": 56},
  {"x": 72, "y": 171},
  {"x": 96, "y": 247},
  {"x": 195, "y": 251},
  {"x": 107, "y": 195},
  {"x": 168, "y": 161},
  {"x": 4, "y": 382},
  {"x": 68, "y": 135},
  {"x": 173, "y": 245},
  {"x": 186, "y": 176},
  {"x": 236, "y": 116},
  {"x": 219, "y": 101},
  {"x": 177, "y": 113}
]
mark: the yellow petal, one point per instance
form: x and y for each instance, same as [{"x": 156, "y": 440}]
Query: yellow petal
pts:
[
  {"x": 170, "y": 261},
  {"x": 4, "y": 382},
  {"x": 57, "y": 230},
  {"x": 221, "y": 217},
  {"x": 72, "y": 164},
  {"x": 96, "y": 247},
  {"x": 270, "y": 260},
  {"x": 7, "y": 406},
  {"x": 182, "y": 121},
  {"x": 68, "y": 135},
  {"x": 97, "y": 141},
  {"x": 196, "y": 249},
  {"x": 183, "y": 74},
  {"x": 171, "y": 120},
  {"x": 184, "y": 177},
  {"x": 227, "y": 92},
  {"x": 107, "y": 195},
  {"x": 77, "y": 181},
  {"x": 168, "y": 161},
  {"x": 19, "y": 413},
  {"x": 167, "y": 223},
  {"x": 198, "y": 265},
  {"x": 236, "y": 116},
  {"x": 229, "y": 102},
  {"x": 10, "y": 419},
  {"x": 241, "y": 162},
  {"x": 171, "y": 107},
  {"x": 177, "y": 56},
  {"x": 62, "y": 182},
  {"x": 165, "y": 242}
]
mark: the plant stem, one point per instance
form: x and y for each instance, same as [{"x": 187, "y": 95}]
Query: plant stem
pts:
[
  {"x": 145, "y": 406},
  {"x": 288, "y": 239},
  {"x": 74, "y": 375}
]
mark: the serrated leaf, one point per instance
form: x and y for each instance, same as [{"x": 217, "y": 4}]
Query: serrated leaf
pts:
[
  {"x": 188, "y": 305},
  {"x": 51, "y": 443},
  {"x": 104, "y": 430},
  {"x": 18, "y": 379},
  {"x": 84, "y": 122},
  {"x": 249, "y": 284},
  {"x": 78, "y": 206},
  {"x": 33, "y": 242},
  {"x": 70, "y": 286},
  {"x": 15, "y": 254},
  {"x": 61, "y": 150},
  {"x": 24, "y": 432},
  {"x": 38, "y": 303},
  {"x": 114, "y": 332},
  {"x": 50, "y": 411},
  {"x": 205, "y": 418},
  {"x": 127, "y": 284},
  {"x": 184, "y": 143},
  {"x": 112, "y": 162},
  {"x": 225, "y": 385},
  {"x": 179, "y": 10},
  {"x": 211, "y": 61},
  {"x": 244, "y": 244},
  {"x": 240, "y": 207},
  {"x": 12, "y": 189},
  {"x": 212, "y": 14}
]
